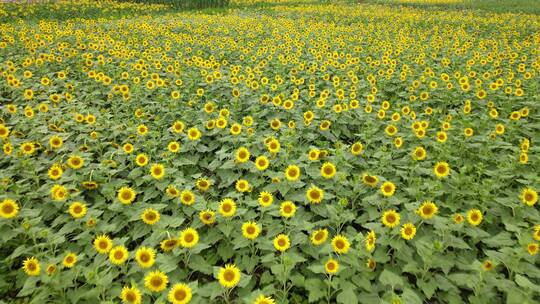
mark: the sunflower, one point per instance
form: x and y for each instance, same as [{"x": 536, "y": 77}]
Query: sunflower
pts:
[
  {"x": 419, "y": 153},
  {"x": 266, "y": 199},
  {"x": 474, "y": 217},
  {"x": 262, "y": 163},
  {"x": 388, "y": 189},
  {"x": 488, "y": 265},
  {"x": 59, "y": 193},
  {"x": 371, "y": 264},
  {"x": 227, "y": 207},
  {"x": 356, "y": 148},
  {"x": 536, "y": 232},
  {"x": 156, "y": 281},
  {"x": 179, "y": 294},
  {"x": 187, "y": 197},
  {"x": 236, "y": 129},
  {"x": 441, "y": 169},
  {"x": 178, "y": 127},
  {"x": 313, "y": 154},
  {"x": 70, "y": 260},
  {"x": 130, "y": 295},
  {"x": 128, "y": 148},
  {"x": 194, "y": 134},
  {"x": 458, "y": 218},
  {"x": 408, "y": 231},
  {"x": 126, "y": 195},
  {"x": 261, "y": 299},
  {"x": 370, "y": 180},
  {"x": 28, "y": 148},
  {"x": 202, "y": 184},
  {"x": 56, "y": 142},
  {"x": 75, "y": 162},
  {"x": 77, "y": 209},
  {"x": 150, "y": 216},
  {"x": 189, "y": 237},
  {"x": 8, "y": 208},
  {"x": 169, "y": 244},
  {"x": 282, "y": 242},
  {"x": 242, "y": 185},
  {"x": 529, "y": 196},
  {"x": 118, "y": 255},
  {"x": 173, "y": 146},
  {"x": 51, "y": 269},
  {"x": 331, "y": 266},
  {"x": 251, "y": 230},
  {"x": 287, "y": 209},
  {"x": 242, "y": 155},
  {"x": 328, "y": 170},
  {"x": 55, "y": 172},
  {"x": 31, "y": 266},
  {"x": 229, "y": 276},
  {"x": 318, "y": 237},
  {"x": 370, "y": 240},
  {"x": 103, "y": 244},
  {"x": 427, "y": 210},
  {"x": 292, "y": 172},
  {"x": 141, "y": 160},
  {"x": 207, "y": 217},
  {"x": 273, "y": 146},
  {"x": 157, "y": 171},
  {"x": 340, "y": 244},
  {"x": 315, "y": 194},
  {"x": 145, "y": 257},
  {"x": 142, "y": 129},
  {"x": 390, "y": 218}
]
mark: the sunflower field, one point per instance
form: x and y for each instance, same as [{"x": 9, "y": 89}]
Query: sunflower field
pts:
[{"x": 269, "y": 152}]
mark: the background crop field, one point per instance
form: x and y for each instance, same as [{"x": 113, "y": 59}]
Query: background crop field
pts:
[{"x": 285, "y": 151}]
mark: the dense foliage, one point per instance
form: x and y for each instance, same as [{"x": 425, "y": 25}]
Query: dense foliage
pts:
[{"x": 349, "y": 153}]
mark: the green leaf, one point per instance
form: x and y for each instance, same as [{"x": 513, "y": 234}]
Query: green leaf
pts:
[
  {"x": 347, "y": 295},
  {"x": 389, "y": 278}
]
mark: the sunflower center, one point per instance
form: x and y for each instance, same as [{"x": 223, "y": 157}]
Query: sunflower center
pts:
[
  {"x": 7, "y": 208},
  {"x": 189, "y": 237},
  {"x": 118, "y": 255},
  {"x": 340, "y": 244},
  {"x": 144, "y": 257},
  {"x": 227, "y": 207},
  {"x": 228, "y": 276},
  {"x": 180, "y": 295},
  {"x": 390, "y": 218},
  {"x": 250, "y": 230},
  {"x": 156, "y": 281}
]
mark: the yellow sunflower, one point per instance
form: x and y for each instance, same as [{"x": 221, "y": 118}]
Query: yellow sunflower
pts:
[
  {"x": 118, "y": 255},
  {"x": 8, "y": 208},
  {"x": 227, "y": 207},
  {"x": 331, "y": 266},
  {"x": 292, "y": 172},
  {"x": 131, "y": 295},
  {"x": 145, "y": 257},
  {"x": 441, "y": 169},
  {"x": 189, "y": 237},
  {"x": 156, "y": 281},
  {"x": 126, "y": 195},
  {"x": 315, "y": 194},
  {"x": 262, "y": 163},
  {"x": 427, "y": 210},
  {"x": 340, "y": 244},
  {"x": 390, "y": 218},
  {"x": 287, "y": 209},
  {"x": 157, "y": 171},
  {"x": 250, "y": 230},
  {"x": 388, "y": 189},
  {"x": 282, "y": 242},
  {"x": 207, "y": 217},
  {"x": 77, "y": 209},
  {"x": 265, "y": 199},
  {"x": 242, "y": 155},
  {"x": 229, "y": 276},
  {"x": 474, "y": 217},
  {"x": 328, "y": 170},
  {"x": 70, "y": 260},
  {"x": 75, "y": 162},
  {"x": 179, "y": 294},
  {"x": 31, "y": 266},
  {"x": 408, "y": 231},
  {"x": 141, "y": 160},
  {"x": 318, "y": 237},
  {"x": 150, "y": 216},
  {"x": 103, "y": 244},
  {"x": 529, "y": 196}
]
